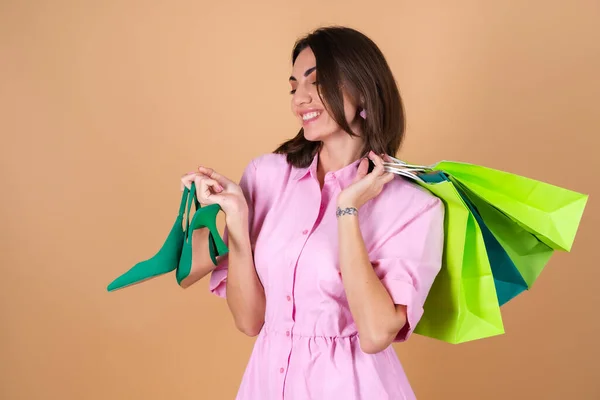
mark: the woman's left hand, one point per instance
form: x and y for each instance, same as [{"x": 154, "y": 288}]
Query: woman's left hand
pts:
[{"x": 366, "y": 186}]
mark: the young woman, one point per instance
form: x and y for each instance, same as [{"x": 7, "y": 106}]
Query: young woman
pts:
[{"x": 328, "y": 263}]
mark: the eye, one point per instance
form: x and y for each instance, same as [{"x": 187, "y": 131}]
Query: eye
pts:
[{"x": 292, "y": 91}]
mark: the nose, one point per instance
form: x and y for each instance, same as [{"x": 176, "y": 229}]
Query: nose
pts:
[{"x": 301, "y": 96}]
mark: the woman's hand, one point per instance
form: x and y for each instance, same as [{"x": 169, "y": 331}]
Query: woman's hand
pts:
[
  {"x": 245, "y": 293},
  {"x": 214, "y": 188},
  {"x": 365, "y": 186}
]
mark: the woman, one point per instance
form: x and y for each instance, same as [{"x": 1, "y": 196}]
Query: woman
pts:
[{"x": 328, "y": 264}]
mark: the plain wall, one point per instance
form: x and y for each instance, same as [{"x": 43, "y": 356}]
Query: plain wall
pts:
[{"x": 105, "y": 104}]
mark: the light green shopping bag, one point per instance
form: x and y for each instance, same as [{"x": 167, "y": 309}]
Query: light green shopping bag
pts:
[
  {"x": 462, "y": 304},
  {"x": 527, "y": 252},
  {"x": 549, "y": 212}
]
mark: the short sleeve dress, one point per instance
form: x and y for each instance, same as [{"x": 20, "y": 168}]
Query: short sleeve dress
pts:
[{"x": 308, "y": 348}]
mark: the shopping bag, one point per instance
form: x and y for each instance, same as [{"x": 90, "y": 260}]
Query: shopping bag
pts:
[
  {"x": 528, "y": 218},
  {"x": 462, "y": 304},
  {"x": 549, "y": 212},
  {"x": 507, "y": 278},
  {"x": 526, "y": 251}
]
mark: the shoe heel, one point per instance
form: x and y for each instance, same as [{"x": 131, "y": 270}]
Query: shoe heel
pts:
[
  {"x": 221, "y": 247},
  {"x": 203, "y": 218},
  {"x": 208, "y": 219}
]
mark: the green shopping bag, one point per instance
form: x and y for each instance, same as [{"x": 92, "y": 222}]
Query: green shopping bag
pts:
[
  {"x": 549, "y": 212},
  {"x": 462, "y": 304},
  {"x": 527, "y": 252},
  {"x": 528, "y": 219},
  {"x": 508, "y": 278}
]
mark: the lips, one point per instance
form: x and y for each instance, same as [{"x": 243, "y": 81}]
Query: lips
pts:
[{"x": 310, "y": 116}]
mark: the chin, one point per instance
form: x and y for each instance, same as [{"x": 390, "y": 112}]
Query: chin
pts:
[
  {"x": 312, "y": 137},
  {"x": 315, "y": 135}
]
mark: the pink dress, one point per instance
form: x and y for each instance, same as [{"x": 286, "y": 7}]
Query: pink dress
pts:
[{"x": 308, "y": 348}]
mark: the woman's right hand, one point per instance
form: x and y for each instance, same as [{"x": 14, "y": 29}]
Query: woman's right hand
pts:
[{"x": 214, "y": 188}]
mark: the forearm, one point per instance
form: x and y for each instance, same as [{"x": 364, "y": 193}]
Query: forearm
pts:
[
  {"x": 377, "y": 318},
  {"x": 245, "y": 293}
]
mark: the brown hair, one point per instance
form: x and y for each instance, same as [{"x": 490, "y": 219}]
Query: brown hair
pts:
[{"x": 347, "y": 57}]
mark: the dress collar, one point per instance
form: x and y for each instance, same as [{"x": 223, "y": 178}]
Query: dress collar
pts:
[{"x": 344, "y": 175}]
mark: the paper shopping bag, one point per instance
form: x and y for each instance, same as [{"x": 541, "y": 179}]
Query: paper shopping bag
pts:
[
  {"x": 508, "y": 279},
  {"x": 527, "y": 252},
  {"x": 462, "y": 304},
  {"x": 549, "y": 212}
]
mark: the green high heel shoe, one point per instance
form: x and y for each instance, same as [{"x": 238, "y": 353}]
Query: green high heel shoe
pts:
[
  {"x": 205, "y": 217},
  {"x": 167, "y": 258}
]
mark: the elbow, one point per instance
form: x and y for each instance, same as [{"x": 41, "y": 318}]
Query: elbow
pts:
[
  {"x": 250, "y": 331},
  {"x": 370, "y": 344},
  {"x": 248, "y": 319},
  {"x": 249, "y": 328},
  {"x": 377, "y": 340}
]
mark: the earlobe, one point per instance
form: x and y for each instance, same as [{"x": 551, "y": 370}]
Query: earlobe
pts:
[{"x": 361, "y": 107}]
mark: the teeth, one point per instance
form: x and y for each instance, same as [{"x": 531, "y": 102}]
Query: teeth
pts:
[{"x": 310, "y": 115}]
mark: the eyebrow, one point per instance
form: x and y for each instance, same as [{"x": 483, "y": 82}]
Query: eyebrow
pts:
[{"x": 306, "y": 73}]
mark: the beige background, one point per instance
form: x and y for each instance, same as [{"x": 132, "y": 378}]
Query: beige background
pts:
[{"x": 105, "y": 104}]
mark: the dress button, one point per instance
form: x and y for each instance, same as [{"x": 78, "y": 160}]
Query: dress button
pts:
[
  {"x": 287, "y": 333},
  {"x": 289, "y": 298},
  {"x": 304, "y": 232},
  {"x": 281, "y": 370}
]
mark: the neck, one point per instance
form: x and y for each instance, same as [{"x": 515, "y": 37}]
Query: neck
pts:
[{"x": 337, "y": 152}]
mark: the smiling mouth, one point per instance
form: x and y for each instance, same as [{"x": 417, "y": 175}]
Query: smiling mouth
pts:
[{"x": 310, "y": 117}]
